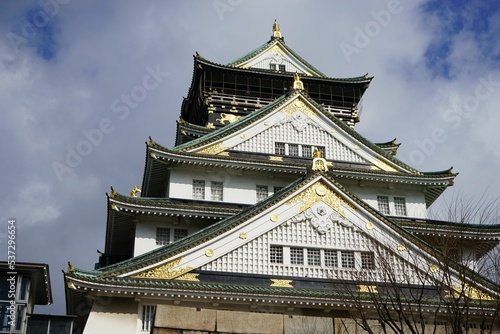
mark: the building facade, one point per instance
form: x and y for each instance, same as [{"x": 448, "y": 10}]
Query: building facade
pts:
[{"x": 272, "y": 214}]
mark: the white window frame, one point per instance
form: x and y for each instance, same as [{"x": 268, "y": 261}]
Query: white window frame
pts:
[{"x": 400, "y": 206}]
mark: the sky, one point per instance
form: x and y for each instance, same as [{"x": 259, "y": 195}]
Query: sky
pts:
[{"x": 84, "y": 84}]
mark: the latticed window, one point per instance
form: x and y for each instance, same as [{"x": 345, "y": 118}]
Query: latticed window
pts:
[
  {"x": 296, "y": 256},
  {"x": 367, "y": 260},
  {"x": 331, "y": 259},
  {"x": 383, "y": 204},
  {"x": 321, "y": 150},
  {"x": 162, "y": 235},
  {"x": 347, "y": 258},
  {"x": 148, "y": 315},
  {"x": 400, "y": 206},
  {"x": 306, "y": 151},
  {"x": 282, "y": 68},
  {"x": 313, "y": 257},
  {"x": 273, "y": 66},
  {"x": 279, "y": 148},
  {"x": 262, "y": 192},
  {"x": 216, "y": 190},
  {"x": 180, "y": 233},
  {"x": 293, "y": 150},
  {"x": 198, "y": 189},
  {"x": 276, "y": 254}
]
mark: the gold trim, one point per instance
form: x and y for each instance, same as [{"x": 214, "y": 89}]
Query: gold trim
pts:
[
  {"x": 298, "y": 105},
  {"x": 457, "y": 291},
  {"x": 213, "y": 149},
  {"x": 356, "y": 147},
  {"x": 188, "y": 277},
  {"x": 275, "y": 158},
  {"x": 242, "y": 136},
  {"x": 310, "y": 196},
  {"x": 230, "y": 118},
  {"x": 367, "y": 288},
  {"x": 210, "y": 125},
  {"x": 433, "y": 268},
  {"x": 282, "y": 283},
  {"x": 401, "y": 248},
  {"x": 134, "y": 191},
  {"x": 209, "y": 252},
  {"x": 243, "y": 235},
  {"x": 114, "y": 207},
  {"x": 275, "y": 218},
  {"x": 164, "y": 271},
  {"x": 382, "y": 165},
  {"x": 369, "y": 225},
  {"x": 266, "y": 123}
]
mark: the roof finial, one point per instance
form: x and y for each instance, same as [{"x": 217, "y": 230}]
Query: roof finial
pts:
[
  {"x": 276, "y": 29},
  {"x": 297, "y": 83}
]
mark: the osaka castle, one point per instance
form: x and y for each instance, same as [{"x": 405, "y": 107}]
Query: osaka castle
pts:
[{"x": 272, "y": 214}]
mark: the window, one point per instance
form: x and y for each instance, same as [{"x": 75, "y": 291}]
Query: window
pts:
[
  {"x": 282, "y": 68},
  {"x": 198, "y": 189},
  {"x": 216, "y": 189},
  {"x": 331, "y": 259},
  {"x": 297, "y": 150},
  {"x": 367, "y": 260},
  {"x": 162, "y": 235},
  {"x": 22, "y": 285},
  {"x": 276, "y": 254},
  {"x": 148, "y": 315},
  {"x": 293, "y": 150},
  {"x": 307, "y": 151},
  {"x": 276, "y": 189},
  {"x": 347, "y": 259},
  {"x": 296, "y": 256},
  {"x": 180, "y": 233},
  {"x": 383, "y": 204},
  {"x": 313, "y": 257},
  {"x": 400, "y": 206},
  {"x": 279, "y": 148},
  {"x": 262, "y": 192}
]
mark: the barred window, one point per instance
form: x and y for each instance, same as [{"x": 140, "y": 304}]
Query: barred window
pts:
[
  {"x": 180, "y": 233},
  {"x": 331, "y": 259},
  {"x": 400, "y": 206},
  {"x": 367, "y": 260},
  {"x": 347, "y": 258},
  {"x": 162, "y": 235},
  {"x": 293, "y": 150},
  {"x": 313, "y": 257},
  {"x": 321, "y": 150},
  {"x": 296, "y": 256},
  {"x": 282, "y": 68},
  {"x": 216, "y": 190},
  {"x": 272, "y": 66},
  {"x": 198, "y": 189},
  {"x": 306, "y": 151},
  {"x": 148, "y": 314},
  {"x": 262, "y": 192},
  {"x": 276, "y": 254},
  {"x": 276, "y": 189},
  {"x": 279, "y": 148},
  {"x": 383, "y": 204}
]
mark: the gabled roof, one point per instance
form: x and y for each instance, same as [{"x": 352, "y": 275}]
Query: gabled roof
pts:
[
  {"x": 239, "y": 131},
  {"x": 156, "y": 269}
]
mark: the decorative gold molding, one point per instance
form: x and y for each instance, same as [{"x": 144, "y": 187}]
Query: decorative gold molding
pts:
[
  {"x": 230, "y": 118},
  {"x": 311, "y": 196},
  {"x": 298, "y": 105},
  {"x": 457, "y": 291},
  {"x": 210, "y": 125},
  {"x": 368, "y": 288},
  {"x": 369, "y": 225},
  {"x": 282, "y": 283},
  {"x": 188, "y": 277},
  {"x": 213, "y": 149},
  {"x": 134, "y": 191},
  {"x": 401, "y": 248},
  {"x": 274, "y": 218},
  {"x": 275, "y": 158},
  {"x": 209, "y": 252},
  {"x": 382, "y": 165},
  {"x": 164, "y": 271},
  {"x": 242, "y": 136},
  {"x": 243, "y": 235},
  {"x": 433, "y": 268}
]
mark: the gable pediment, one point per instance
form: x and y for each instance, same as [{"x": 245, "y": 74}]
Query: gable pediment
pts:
[{"x": 296, "y": 121}]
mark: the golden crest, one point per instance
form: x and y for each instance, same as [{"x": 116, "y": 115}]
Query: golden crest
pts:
[
  {"x": 283, "y": 283},
  {"x": 164, "y": 271}
]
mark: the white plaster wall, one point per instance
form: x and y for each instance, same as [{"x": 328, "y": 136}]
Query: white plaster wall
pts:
[
  {"x": 237, "y": 188},
  {"x": 415, "y": 199},
  {"x": 117, "y": 315}
]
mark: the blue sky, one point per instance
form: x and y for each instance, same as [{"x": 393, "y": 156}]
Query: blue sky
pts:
[{"x": 436, "y": 68}]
